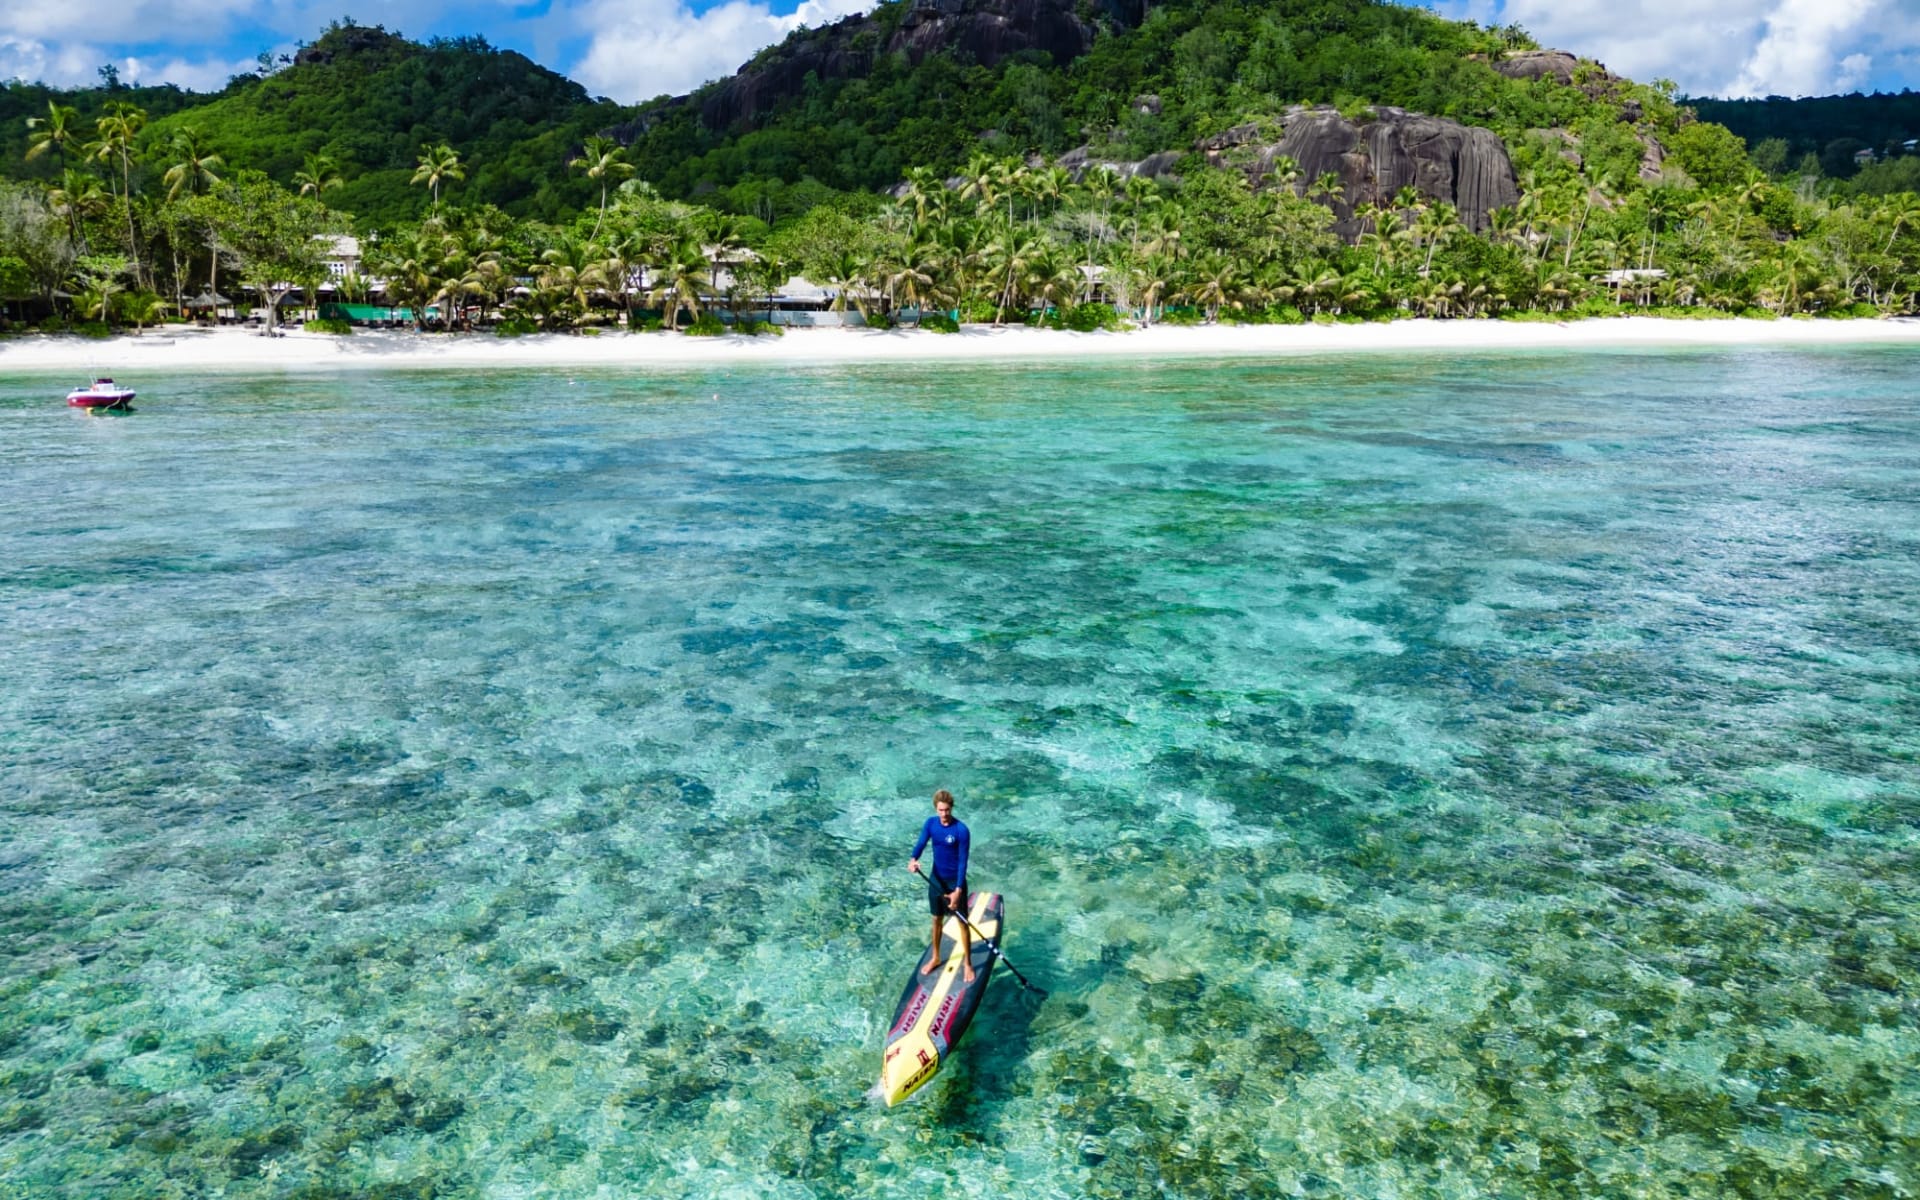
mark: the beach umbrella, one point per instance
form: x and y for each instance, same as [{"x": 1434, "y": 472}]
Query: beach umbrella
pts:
[{"x": 207, "y": 300}]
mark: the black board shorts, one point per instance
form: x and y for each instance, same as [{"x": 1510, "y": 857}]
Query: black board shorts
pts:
[{"x": 937, "y": 900}]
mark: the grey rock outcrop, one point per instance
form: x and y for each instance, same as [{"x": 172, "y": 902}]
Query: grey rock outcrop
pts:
[
  {"x": 1384, "y": 151},
  {"x": 1557, "y": 65},
  {"x": 1373, "y": 159}
]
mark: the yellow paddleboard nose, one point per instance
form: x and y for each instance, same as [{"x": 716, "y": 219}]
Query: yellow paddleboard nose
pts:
[{"x": 906, "y": 1069}]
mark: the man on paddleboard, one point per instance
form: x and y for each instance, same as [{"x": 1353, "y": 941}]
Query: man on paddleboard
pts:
[{"x": 947, "y": 883}]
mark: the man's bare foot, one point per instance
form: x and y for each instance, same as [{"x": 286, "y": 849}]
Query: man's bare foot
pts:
[
  {"x": 967, "y": 973},
  {"x": 933, "y": 964}
]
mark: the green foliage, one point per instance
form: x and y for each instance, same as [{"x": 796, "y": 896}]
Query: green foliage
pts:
[
  {"x": 939, "y": 322},
  {"x": 706, "y": 325},
  {"x": 1713, "y": 156},
  {"x": 334, "y": 325},
  {"x": 1087, "y": 318},
  {"x": 1770, "y": 156},
  {"x": 513, "y": 327},
  {"x": 16, "y": 279},
  {"x": 1889, "y": 178}
]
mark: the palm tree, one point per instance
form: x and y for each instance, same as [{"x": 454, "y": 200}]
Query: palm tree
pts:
[
  {"x": 850, "y": 276},
  {"x": 319, "y": 176},
  {"x": 142, "y": 308},
  {"x": 1049, "y": 185},
  {"x": 628, "y": 255},
  {"x": 415, "y": 264},
  {"x": 78, "y": 195},
  {"x": 1751, "y": 192},
  {"x": 1366, "y": 213},
  {"x": 604, "y": 160},
  {"x": 1215, "y": 284},
  {"x": 57, "y": 131},
  {"x": 925, "y": 193},
  {"x": 683, "y": 272},
  {"x": 1354, "y": 292},
  {"x": 193, "y": 169},
  {"x": 116, "y": 132},
  {"x": 914, "y": 279},
  {"x": 1662, "y": 203},
  {"x": 1599, "y": 191},
  {"x": 572, "y": 269},
  {"x": 1438, "y": 224},
  {"x": 1384, "y": 237},
  {"x": 1327, "y": 190},
  {"x": 1152, "y": 277},
  {"x": 1012, "y": 255},
  {"x": 1285, "y": 172},
  {"x": 438, "y": 164},
  {"x": 978, "y": 181},
  {"x": 1904, "y": 211},
  {"x": 1503, "y": 226},
  {"x": 1553, "y": 285},
  {"x": 1052, "y": 278}
]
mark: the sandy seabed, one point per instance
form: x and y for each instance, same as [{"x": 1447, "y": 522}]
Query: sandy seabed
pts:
[{"x": 187, "y": 350}]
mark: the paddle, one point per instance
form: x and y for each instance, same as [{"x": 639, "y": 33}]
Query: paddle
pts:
[{"x": 993, "y": 947}]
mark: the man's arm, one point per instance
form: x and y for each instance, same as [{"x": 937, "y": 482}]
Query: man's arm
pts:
[
  {"x": 926, "y": 835},
  {"x": 966, "y": 843}
]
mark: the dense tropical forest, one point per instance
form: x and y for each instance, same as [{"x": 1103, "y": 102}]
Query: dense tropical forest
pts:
[
  {"x": 1823, "y": 136},
  {"x": 488, "y": 192}
]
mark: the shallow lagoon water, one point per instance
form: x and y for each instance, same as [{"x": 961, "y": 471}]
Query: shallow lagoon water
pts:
[{"x": 1478, "y": 776}]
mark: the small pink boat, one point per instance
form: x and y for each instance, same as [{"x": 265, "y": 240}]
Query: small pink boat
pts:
[{"x": 101, "y": 393}]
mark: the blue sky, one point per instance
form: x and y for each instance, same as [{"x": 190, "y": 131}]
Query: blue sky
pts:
[{"x": 634, "y": 49}]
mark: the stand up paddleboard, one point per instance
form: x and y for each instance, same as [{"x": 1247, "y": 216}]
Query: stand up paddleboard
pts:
[{"x": 935, "y": 1009}]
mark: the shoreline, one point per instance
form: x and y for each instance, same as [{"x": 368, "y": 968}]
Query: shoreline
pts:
[{"x": 237, "y": 349}]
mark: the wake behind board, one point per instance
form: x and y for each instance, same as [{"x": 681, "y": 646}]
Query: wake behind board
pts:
[{"x": 936, "y": 1009}]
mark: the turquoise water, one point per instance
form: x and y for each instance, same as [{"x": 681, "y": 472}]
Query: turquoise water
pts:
[{"x": 1457, "y": 777}]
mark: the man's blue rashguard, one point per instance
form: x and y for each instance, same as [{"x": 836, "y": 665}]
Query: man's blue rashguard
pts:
[{"x": 950, "y": 845}]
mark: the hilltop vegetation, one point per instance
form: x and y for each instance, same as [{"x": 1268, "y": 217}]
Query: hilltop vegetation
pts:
[
  {"x": 1819, "y": 136},
  {"x": 368, "y": 100},
  {"x": 1206, "y": 64}
]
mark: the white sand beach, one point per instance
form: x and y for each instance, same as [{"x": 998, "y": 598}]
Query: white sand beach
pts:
[{"x": 181, "y": 350}]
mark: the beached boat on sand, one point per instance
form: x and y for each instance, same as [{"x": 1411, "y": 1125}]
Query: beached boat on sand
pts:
[{"x": 101, "y": 393}]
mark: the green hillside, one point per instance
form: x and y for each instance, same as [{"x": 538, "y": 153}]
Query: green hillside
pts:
[
  {"x": 1209, "y": 63},
  {"x": 20, "y": 100},
  {"x": 370, "y": 99}
]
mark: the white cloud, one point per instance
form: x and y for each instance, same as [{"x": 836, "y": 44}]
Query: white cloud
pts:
[
  {"x": 62, "y": 64},
  {"x": 78, "y": 63},
  {"x": 1798, "y": 56},
  {"x": 129, "y": 21},
  {"x": 196, "y": 75},
  {"x": 1725, "y": 47},
  {"x": 1853, "y": 69},
  {"x": 641, "y": 50}
]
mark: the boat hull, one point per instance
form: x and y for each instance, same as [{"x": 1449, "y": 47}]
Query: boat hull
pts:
[
  {"x": 91, "y": 400},
  {"x": 935, "y": 1009}
]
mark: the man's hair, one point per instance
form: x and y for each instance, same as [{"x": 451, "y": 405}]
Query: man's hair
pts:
[{"x": 943, "y": 796}]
